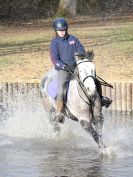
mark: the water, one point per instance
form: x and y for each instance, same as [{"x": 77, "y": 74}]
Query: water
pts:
[{"x": 29, "y": 147}]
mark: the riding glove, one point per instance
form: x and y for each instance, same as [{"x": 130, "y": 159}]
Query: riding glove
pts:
[{"x": 67, "y": 68}]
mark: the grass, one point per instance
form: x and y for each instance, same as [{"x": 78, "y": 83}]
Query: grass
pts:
[
  {"x": 24, "y": 49},
  {"x": 118, "y": 35},
  {"x": 22, "y": 41},
  {"x": 5, "y": 61}
]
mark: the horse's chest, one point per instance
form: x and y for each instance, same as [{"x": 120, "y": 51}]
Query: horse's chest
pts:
[{"x": 76, "y": 101}]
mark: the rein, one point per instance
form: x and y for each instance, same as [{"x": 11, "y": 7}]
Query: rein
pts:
[
  {"x": 75, "y": 75},
  {"x": 84, "y": 90},
  {"x": 103, "y": 82}
]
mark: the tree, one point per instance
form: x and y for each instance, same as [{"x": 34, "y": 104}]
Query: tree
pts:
[
  {"x": 5, "y": 8},
  {"x": 67, "y": 7}
]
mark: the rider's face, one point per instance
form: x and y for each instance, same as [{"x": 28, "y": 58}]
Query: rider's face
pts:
[{"x": 61, "y": 33}]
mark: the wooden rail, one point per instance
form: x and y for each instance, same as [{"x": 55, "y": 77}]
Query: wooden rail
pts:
[{"x": 121, "y": 94}]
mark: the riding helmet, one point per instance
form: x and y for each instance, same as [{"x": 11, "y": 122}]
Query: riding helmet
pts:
[{"x": 60, "y": 24}]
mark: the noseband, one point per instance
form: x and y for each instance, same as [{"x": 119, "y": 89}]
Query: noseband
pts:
[
  {"x": 75, "y": 75},
  {"x": 88, "y": 75}
]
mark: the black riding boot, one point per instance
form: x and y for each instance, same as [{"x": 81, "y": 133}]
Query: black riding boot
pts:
[{"x": 105, "y": 101}]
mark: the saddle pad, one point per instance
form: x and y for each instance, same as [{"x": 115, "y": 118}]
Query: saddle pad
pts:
[{"x": 52, "y": 89}]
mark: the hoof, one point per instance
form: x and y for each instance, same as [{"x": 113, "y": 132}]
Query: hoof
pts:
[
  {"x": 108, "y": 152},
  {"x": 102, "y": 146}
]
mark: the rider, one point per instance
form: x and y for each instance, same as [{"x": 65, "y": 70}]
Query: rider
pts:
[{"x": 62, "y": 51}]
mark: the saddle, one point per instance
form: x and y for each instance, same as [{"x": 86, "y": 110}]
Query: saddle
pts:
[{"x": 53, "y": 90}]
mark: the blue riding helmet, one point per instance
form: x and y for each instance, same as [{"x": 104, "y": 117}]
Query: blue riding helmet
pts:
[{"x": 60, "y": 24}]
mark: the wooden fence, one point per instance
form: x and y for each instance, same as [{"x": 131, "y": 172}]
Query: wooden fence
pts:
[{"x": 121, "y": 94}]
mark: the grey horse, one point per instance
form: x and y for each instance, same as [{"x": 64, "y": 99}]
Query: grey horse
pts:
[{"x": 83, "y": 102}]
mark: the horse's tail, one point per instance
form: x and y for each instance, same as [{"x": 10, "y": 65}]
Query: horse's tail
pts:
[
  {"x": 44, "y": 93},
  {"x": 43, "y": 87}
]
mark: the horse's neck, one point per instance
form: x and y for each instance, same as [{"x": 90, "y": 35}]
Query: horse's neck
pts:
[
  {"x": 77, "y": 101},
  {"x": 76, "y": 93}
]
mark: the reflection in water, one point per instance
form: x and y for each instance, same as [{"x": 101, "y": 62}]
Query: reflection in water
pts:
[
  {"x": 29, "y": 148},
  {"x": 51, "y": 162},
  {"x": 74, "y": 162}
]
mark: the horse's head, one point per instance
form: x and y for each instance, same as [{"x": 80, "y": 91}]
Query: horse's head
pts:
[{"x": 87, "y": 71}]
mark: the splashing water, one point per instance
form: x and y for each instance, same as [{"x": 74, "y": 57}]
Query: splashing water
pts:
[
  {"x": 25, "y": 117},
  {"x": 117, "y": 134},
  {"x": 28, "y": 143}
]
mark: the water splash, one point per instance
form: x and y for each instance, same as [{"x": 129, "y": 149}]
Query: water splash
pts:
[
  {"x": 118, "y": 135},
  {"x": 24, "y": 117}
]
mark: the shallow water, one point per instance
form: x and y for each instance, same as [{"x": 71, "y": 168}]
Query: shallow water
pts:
[{"x": 29, "y": 147}]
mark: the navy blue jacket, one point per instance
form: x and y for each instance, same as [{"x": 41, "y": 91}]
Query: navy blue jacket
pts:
[{"x": 62, "y": 51}]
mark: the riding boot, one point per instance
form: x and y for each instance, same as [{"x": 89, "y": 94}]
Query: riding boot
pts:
[{"x": 105, "y": 101}]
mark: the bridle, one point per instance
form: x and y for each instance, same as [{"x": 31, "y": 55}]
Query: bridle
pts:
[
  {"x": 75, "y": 75},
  {"x": 86, "y": 61},
  {"x": 88, "y": 77}
]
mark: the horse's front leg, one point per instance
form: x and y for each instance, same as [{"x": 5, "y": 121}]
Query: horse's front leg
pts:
[
  {"x": 98, "y": 119},
  {"x": 91, "y": 130},
  {"x": 55, "y": 120}
]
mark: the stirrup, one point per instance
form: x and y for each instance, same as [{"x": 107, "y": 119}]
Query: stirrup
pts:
[{"x": 106, "y": 101}]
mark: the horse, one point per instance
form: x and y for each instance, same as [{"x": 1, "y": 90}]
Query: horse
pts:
[{"x": 82, "y": 103}]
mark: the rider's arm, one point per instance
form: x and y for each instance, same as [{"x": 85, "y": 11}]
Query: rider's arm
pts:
[
  {"x": 79, "y": 47},
  {"x": 54, "y": 55}
]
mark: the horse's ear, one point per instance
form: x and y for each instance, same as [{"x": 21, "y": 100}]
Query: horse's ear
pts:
[
  {"x": 79, "y": 56},
  {"x": 90, "y": 55}
]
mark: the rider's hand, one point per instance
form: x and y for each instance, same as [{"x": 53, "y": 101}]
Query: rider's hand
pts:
[{"x": 67, "y": 68}]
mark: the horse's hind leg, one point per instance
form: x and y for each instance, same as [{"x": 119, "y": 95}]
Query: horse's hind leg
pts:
[
  {"x": 89, "y": 128},
  {"x": 53, "y": 120}
]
